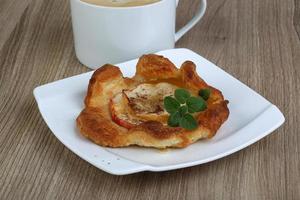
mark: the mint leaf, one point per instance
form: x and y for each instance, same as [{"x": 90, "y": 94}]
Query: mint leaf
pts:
[
  {"x": 171, "y": 104},
  {"x": 182, "y": 110},
  {"x": 174, "y": 119},
  {"x": 188, "y": 122},
  {"x": 195, "y": 104},
  {"x": 205, "y": 93},
  {"x": 182, "y": 95}
]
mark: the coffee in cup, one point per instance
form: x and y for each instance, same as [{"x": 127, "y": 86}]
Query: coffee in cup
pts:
[{"x": 120, "y": 3}]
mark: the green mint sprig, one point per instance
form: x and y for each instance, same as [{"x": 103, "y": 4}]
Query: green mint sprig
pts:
[
  {"x": 183, "y": 105},
  {"x": 204, "y": 93}
]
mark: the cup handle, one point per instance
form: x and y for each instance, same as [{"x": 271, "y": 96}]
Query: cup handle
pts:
[{"x": 193, "y": 22}]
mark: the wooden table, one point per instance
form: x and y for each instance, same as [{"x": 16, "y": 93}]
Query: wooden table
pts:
[{"x": 256, "y": 41}]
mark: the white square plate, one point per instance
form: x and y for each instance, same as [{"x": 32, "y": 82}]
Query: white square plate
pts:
[{"x": 251, "y": 118}]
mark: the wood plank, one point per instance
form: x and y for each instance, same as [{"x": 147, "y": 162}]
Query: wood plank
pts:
[{"x": 10, "y": 13}]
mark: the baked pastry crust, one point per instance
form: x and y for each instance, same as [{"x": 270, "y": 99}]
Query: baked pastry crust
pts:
[{"x": 95, "y": 121}]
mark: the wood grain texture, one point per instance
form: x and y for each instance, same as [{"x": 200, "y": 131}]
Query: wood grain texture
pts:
[{"x": 254, "y": 40}]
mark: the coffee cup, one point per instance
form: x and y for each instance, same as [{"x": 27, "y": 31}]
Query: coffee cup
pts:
[{"x": 104, "y": 34}]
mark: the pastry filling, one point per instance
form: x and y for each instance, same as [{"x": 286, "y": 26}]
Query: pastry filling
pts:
[{"x": 143, "y": 103}]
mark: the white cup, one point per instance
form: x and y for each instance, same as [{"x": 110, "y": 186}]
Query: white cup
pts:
[{"x": 116, "y": 34}]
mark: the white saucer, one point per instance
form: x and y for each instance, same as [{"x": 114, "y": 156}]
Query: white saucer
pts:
[{"x": 251, "y": 118}]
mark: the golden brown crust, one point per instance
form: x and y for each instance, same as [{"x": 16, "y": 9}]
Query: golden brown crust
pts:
[
  {"x": 190, "y": 78},
  {"x": 155, "y": 67},
  {"x": 95, "y": 121},
  {"x": 157, "y": 129},
  {"x": 95, "y": 125},
  {"x": 105, "y": 83},
  {"x": 213, "y": 117}
]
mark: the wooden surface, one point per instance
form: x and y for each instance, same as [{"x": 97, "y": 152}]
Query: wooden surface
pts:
[{"x": 257, "y": 41}]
